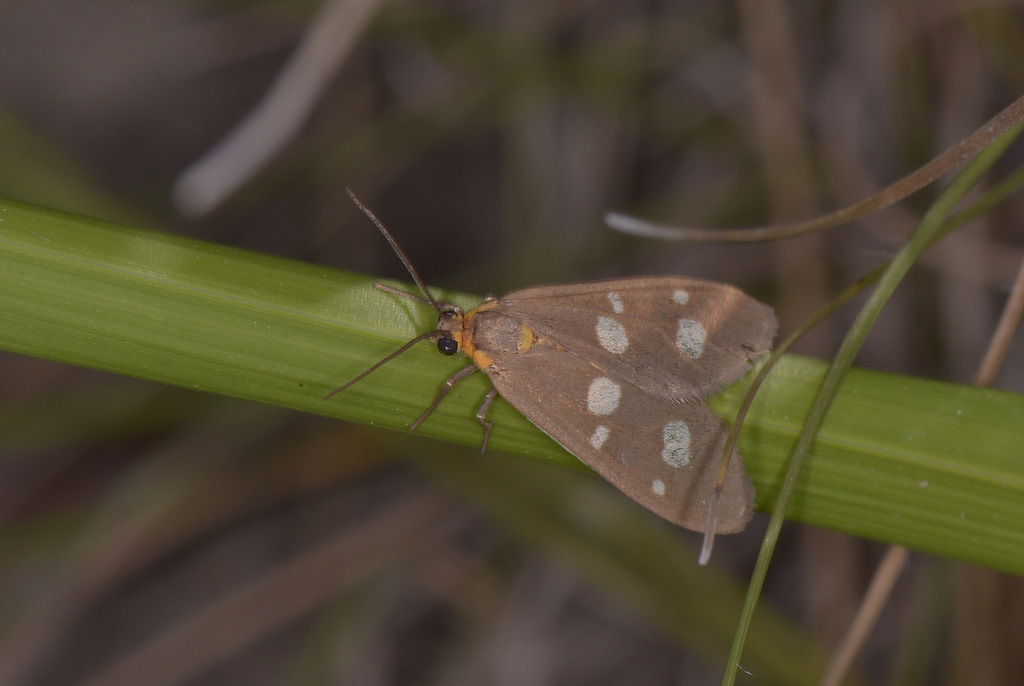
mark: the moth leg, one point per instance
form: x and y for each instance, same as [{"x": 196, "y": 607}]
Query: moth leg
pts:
[
  {"x": 481, "y": 416},
  {"x": 455, "y": 378}
]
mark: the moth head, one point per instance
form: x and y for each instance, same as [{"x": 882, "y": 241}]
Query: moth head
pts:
[
  {"x": 449, "y": 329},
  {"x": 449, "y": 334}
]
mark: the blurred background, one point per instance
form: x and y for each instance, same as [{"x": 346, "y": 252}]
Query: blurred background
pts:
[{"x": 149, "y": 535}]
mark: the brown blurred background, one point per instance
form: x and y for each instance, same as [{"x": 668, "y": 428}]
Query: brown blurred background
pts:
[{"x": 491, "y": 136}]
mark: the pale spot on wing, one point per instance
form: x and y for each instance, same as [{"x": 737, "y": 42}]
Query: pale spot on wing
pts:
[
  {"x": 681, "y": 297},
  {"x": 603, "y": 396},
  {"x": 616, "y": 302},
  {"x": 611, "y": 335},
  {"x": 599, "y": 436},
  {"x": 690, "y": 337},
  {"x": 658, "y": 486},
  {"x": 677, "y": 444}
]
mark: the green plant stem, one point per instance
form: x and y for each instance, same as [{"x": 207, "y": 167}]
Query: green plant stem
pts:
[{"x": 929, "y": 465}]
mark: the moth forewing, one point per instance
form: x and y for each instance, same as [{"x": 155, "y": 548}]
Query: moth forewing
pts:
[
  {"x": 661, "y": 452},
  {"x": 677, "y": 338}
]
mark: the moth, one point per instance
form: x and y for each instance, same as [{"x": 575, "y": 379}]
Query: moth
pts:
[{"x": 617, "y": 372}]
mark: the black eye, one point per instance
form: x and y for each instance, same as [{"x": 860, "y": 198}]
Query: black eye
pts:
[{"x": 447, "y": 346}]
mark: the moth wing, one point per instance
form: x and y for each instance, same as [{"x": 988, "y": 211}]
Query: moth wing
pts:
[
  {"x": 676, "y": 338},
  {"x": 663, "y": 455}
]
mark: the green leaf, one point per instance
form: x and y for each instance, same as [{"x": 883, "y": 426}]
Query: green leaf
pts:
[{"x": 930, "y": 465}]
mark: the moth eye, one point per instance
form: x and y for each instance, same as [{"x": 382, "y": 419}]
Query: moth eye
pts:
[{"x": 447, "y": 346}]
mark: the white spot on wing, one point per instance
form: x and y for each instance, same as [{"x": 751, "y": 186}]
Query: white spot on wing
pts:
[
  {"x": 611, "y": 335},
  {"x": 677, "y": 444},
  {"x": 658, "y": 486},
  {"x": 603, "y": 396},
  {"x": 690, "y": 337},
  {"x": 681, "y": 297},
  {"x": 599, "y": 436},
  {"x": 616, "y": 302}
]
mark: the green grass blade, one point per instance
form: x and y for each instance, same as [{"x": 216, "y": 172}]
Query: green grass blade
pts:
[{"x": 933, "y": 466}]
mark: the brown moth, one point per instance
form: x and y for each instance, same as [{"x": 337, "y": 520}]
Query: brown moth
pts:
[{"x": 616, "y": 372}]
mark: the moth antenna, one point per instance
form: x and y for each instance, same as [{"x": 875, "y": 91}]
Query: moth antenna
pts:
[
  {"x": 394, "y": 246},
  {"x": 387, "y": 359},
  {"x": 395, "y": 291}
]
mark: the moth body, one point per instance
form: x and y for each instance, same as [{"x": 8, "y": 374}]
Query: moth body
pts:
[{"x": 618, "y": 373}]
